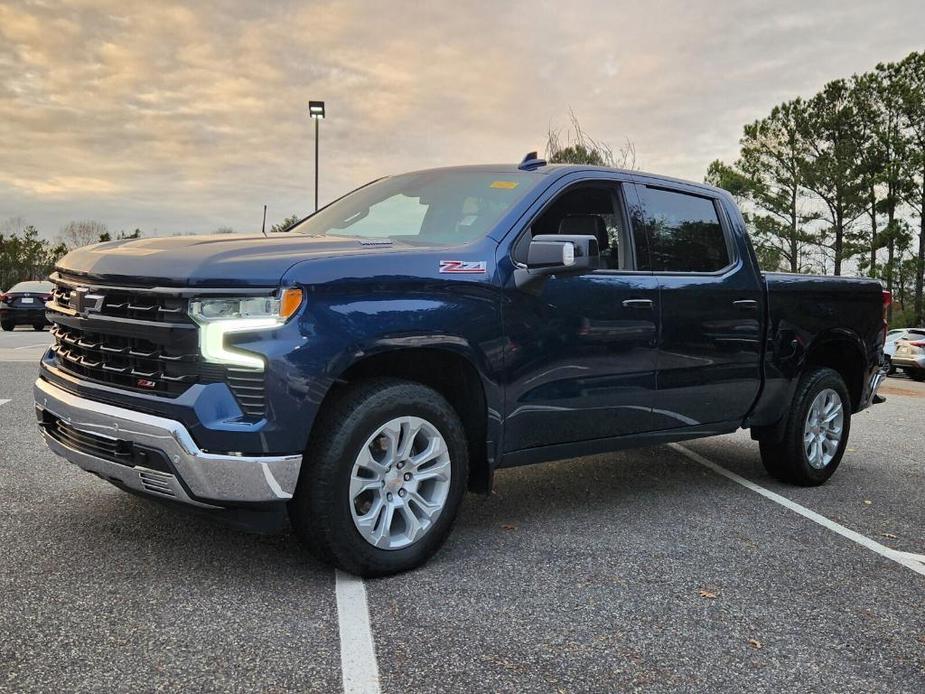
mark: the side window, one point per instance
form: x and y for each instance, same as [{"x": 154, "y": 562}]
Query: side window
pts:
[
  {"x": 683, "y": 231},
  {"x": 589, "y": 210}
]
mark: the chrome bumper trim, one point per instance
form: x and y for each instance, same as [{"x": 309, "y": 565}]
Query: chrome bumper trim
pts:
[{"x": 211, "y": 476}]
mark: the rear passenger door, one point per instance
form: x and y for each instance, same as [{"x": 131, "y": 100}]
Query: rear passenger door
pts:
[{"x": 708, "y": 365}]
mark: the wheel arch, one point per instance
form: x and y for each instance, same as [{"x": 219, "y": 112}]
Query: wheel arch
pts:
[
  {"x": 842, "y": 351},
  {"x": 453, "y": 372}
]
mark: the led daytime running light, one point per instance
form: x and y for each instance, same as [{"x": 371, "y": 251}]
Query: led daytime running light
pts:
[
  {"x": 212, "y": 340},
  {"x": 221, "y": 316}
]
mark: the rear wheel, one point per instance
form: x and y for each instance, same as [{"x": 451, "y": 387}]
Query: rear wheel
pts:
[
  {"x": 7, "y": 325},
  {"x": 383, "y": 479},
  {"x": 815, "y": 433},
  {"x": 38, "y": 327}
]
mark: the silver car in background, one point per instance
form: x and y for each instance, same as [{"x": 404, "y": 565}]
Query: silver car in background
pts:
[{"x": 907, "y": 352}]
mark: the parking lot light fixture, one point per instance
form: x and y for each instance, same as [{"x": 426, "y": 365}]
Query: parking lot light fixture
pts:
[{"x": 316, "y": 113}]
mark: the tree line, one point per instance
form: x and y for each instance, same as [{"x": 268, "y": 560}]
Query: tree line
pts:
[
  {"x": 25, "y": 255},
  {"x": 836, "y": 182}
]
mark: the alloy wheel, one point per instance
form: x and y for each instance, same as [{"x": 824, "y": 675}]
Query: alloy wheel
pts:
[
  {"x": 822, "y": 432},
  {"x": 399, "y": 483}
]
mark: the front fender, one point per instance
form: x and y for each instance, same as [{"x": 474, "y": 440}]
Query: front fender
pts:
[{"x": 338, "y": 330}]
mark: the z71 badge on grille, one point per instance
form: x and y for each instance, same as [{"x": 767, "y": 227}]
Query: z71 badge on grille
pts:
[{"x": 463, "y": 267}]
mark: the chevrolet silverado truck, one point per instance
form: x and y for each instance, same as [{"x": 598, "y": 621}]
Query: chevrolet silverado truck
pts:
[{"x": 354, "y": 376}]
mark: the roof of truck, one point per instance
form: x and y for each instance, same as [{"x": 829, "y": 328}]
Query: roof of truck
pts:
[{"x": 563, "y": 169}]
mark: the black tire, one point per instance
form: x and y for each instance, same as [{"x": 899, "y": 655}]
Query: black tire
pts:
[
  {"x": 916, "y": 374},
  {"x": 320, "y": 508},
  {"x": 7, "y": 325},
  {"x": 786, "y": 460},
  {"x": 38, "y": 327}
]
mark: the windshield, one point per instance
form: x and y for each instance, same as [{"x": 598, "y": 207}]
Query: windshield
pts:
[
  {"x": 443, "y": 208},
  {"x": 32, "y": 287}
]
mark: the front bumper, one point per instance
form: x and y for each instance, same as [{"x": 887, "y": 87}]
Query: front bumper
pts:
[{"x": 110, "y": 441}]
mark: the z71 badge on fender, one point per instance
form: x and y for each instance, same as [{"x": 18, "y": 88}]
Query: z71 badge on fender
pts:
[{"x": 463, "y": 267}]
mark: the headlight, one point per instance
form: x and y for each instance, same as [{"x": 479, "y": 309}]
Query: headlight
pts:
[{"x": 221, "y": 316}]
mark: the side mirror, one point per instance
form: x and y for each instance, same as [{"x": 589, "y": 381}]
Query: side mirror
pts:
[{"x": 558, "y": 254}]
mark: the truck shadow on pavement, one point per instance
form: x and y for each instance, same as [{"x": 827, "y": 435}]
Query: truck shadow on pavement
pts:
[
  {"x": 643, "y": 480},
  {"x": 127, "y": 529},
  {"x": 629, "y": 490}
]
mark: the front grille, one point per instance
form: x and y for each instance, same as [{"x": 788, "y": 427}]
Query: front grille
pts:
[
  {"x": 139, "y": 340},
  {"x": 126, "y": 362},
  {"x": 133, "y": 305}
]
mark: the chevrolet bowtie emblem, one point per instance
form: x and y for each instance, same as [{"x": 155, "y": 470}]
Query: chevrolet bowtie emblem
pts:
[{"x": 84, "y": 302}]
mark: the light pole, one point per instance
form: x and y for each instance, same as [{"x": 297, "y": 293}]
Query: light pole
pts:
[{"x": 316, "y": 113}]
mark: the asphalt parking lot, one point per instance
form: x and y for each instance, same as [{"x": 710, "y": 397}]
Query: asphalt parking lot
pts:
[{"x": 641, "y": 570}]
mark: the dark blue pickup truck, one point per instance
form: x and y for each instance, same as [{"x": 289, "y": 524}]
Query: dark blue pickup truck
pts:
[{"x": 358, "y": 373}]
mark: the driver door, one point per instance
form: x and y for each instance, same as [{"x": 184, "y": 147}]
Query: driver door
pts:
[{"x": 581, "y": 350}]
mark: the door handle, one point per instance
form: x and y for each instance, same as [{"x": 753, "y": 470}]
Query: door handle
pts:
[
  {"x": 637, "y": 303},
  {"x": 746, "y": 304}
]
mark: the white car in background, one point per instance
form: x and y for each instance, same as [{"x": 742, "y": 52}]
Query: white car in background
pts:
[{"x": 894, "y": 336}]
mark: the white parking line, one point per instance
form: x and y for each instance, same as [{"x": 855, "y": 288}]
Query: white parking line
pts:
[
  {"x": 906, "y": 559},
  {"x": 910, "y": 555},
  {"x": 358, "y": 667},
  {"x": 4, "y": 401}
]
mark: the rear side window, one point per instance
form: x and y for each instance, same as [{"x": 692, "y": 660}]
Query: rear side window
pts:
[{"x": 683, "y": 231}]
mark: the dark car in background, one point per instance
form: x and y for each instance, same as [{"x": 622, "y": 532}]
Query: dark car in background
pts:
[{"x": 24, "y": 304}]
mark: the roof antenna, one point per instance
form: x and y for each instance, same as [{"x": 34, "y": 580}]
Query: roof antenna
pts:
[
  {"x": 531, "y": 161},
  {"x": 264, "y": 227}
]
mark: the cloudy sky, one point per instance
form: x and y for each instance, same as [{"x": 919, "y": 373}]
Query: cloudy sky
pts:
[{"x": 189, "y": 116}]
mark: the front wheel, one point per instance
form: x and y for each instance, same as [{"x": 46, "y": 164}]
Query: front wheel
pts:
[
  {"x": 7, "y": 325},
  {"x": 916, "y": 374},
  {"x": 38, "y": 327},
  {"x": 815, "y": 433},
  {"x": 382, "y": 480}
]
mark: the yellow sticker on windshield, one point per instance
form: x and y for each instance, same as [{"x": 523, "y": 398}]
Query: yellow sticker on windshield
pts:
[{"x": 505, "y": 185}]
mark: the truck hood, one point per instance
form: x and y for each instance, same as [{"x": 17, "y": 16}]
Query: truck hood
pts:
[{"x": 227, "y": 260}]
